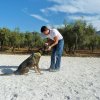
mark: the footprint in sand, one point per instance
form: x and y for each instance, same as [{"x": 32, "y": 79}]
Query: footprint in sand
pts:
[
  {"x": 67, "y": 97},
  {"x": 14, "y": 97},
  {"x": 90, "y": 84},
  {"x": 76, "y": 91},
  {"x": 97, "y": 98}
]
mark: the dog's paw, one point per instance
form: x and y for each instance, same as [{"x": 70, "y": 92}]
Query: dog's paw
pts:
[{"x": 39, "y": 73}]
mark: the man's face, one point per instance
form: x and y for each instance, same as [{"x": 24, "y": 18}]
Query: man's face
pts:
[{"x": 46, "y": 32}]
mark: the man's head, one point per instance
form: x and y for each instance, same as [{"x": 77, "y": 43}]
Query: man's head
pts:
[{"x": 45, "y": 30}]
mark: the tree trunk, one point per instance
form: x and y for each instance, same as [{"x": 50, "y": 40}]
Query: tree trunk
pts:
[
  {"x": 92, "y": 47},
  {"x": 1, "y": 45}
]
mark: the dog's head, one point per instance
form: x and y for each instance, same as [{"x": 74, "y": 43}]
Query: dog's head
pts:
[
  {"x": 43, "y": 49},
  {"x": 37, "y": 54},
  {"x": 46, "y": 48}
]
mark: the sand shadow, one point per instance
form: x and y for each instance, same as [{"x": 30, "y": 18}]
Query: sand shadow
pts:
[
  {"x": 42, "y": 69},
  {"x": 3, "y": 67},
  {"x": 7, "y": 69}
]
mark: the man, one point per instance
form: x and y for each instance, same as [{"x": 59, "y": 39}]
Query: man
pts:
[{"x": 56, "y": 46}]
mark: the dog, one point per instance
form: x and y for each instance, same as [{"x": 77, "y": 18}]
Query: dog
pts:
[{"x": 26, "y": 65}]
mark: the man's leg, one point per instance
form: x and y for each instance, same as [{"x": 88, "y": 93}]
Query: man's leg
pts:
[
  {"x": 53, "y": 58},
  {"x": 58, "y": 61},
  {"x": 59, "y": 52}
]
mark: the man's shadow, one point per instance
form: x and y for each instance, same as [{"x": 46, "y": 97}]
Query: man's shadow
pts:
[
  {"x": 7, "y": 69},
  {"x": 42, "y": 69}
]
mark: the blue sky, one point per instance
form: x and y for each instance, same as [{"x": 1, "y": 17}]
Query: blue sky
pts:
[{"x": 30, "y": 15}]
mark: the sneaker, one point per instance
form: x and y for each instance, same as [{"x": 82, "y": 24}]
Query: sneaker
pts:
[{"x": 56, "y": 70}]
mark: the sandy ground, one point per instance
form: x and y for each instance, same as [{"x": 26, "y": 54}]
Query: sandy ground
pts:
[{"x": 78, "y": 79}]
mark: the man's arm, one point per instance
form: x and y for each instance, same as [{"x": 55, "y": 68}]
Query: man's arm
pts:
[
  {"x": 55, "y": 43},
  {"x": 49, "y": 42}
]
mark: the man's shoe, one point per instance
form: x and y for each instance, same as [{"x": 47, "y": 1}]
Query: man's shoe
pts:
[{"x": 56, "y": 70}]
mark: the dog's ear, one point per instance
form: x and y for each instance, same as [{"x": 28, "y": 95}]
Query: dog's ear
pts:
[{"x": 40, "y": 51}]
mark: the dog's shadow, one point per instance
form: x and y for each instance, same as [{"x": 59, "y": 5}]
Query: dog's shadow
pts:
[{"x": 7, "y": 69}]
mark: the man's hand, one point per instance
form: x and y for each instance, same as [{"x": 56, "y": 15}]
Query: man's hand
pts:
[
  {"x": 49, "y": 48},
  {"x": 46, "y": 44}
]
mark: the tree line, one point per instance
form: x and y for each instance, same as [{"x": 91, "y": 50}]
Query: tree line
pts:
[
  {"x": 77, "y": 36},
  {"x": 80, "y": 36},
  {"x": 16, "y": 39}
]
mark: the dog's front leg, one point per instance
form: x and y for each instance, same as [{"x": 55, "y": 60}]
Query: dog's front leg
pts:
[
  {"x": 38, "y": 69},
  {"x": 35, "y": 68}
]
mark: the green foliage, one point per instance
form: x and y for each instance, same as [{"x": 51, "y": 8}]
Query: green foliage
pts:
[
  {"x": 77, "y": 35},
  {"x": 16, "y": 39}
]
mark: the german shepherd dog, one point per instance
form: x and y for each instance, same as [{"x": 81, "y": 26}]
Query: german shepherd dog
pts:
[{"x": 29, "y": 63}]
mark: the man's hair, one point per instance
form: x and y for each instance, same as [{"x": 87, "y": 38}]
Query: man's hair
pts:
[{"x": 44, "y": 28}]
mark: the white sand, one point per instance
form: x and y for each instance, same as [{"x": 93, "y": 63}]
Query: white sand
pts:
[{"x": 78, "y": 79}]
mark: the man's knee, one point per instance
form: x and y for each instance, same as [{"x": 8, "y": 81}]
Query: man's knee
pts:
[{"x": 58, "y": 55}]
